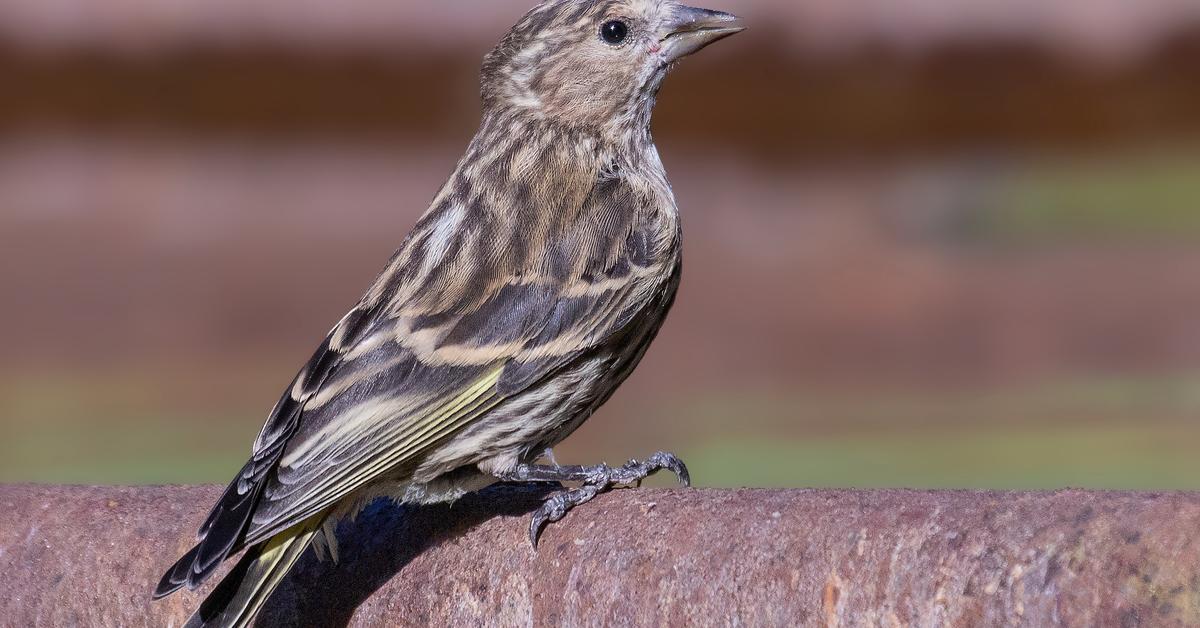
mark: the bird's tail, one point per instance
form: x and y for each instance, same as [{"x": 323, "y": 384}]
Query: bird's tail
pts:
[{"x": 235, "y": 602}]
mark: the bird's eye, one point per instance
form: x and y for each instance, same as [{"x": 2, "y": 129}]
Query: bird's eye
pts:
[{"x": 614, "y": 32}]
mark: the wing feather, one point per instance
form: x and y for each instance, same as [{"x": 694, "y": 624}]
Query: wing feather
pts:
[{"x": 305, "y": 487}]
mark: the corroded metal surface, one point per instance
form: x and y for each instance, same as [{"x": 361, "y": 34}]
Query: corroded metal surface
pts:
[{"x": 89, "y": 557}]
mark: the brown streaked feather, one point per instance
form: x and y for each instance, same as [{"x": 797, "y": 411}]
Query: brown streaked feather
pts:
[
  {"x": 434, "y": 328},
  {"x": 534, "y": 282},
  {"x": 526, "y": 328}
]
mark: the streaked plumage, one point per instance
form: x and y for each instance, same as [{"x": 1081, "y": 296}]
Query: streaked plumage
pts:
[{"x": 523, "y": 297}]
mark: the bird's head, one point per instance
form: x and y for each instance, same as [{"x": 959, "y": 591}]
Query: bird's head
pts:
[{"x": 596, "y": 63}]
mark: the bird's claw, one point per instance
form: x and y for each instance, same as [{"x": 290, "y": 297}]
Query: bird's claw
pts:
[
  {"x": 556, "y": 507},
  {"x": 634, "y": 472},
  {"x": 671, "y": 462},
  {"x": 601, "y": 478}
]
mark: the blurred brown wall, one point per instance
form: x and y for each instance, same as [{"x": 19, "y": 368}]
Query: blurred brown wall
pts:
[{"x": 192, "y": 192}]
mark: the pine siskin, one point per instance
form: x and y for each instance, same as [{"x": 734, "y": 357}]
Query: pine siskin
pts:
[{"x": 523, "y": 297}]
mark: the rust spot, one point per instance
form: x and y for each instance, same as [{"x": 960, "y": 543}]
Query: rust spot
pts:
[{"x": 832, "y": 594}]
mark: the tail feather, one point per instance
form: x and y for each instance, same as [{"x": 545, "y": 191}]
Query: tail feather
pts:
[
  {"x": 221, "y": 536},
  {"x": 241, "y": 594},
  {"x": 177, "y": 576}
]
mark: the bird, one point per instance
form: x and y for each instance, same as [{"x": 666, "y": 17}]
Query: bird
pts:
[{"x": 522, "y": 298}]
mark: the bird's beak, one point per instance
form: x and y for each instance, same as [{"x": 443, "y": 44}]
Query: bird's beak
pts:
[{"x": 690, "y": 29}]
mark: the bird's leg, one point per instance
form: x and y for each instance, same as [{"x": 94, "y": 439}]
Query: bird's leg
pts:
[
  {"x": 594, "y": 479},
  {"x": 600, "y": 474}
]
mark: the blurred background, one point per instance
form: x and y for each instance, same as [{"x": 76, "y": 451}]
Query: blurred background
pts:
[{"x": 929, "y": 244}]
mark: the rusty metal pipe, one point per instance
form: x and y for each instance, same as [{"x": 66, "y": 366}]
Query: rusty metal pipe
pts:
[{"x": 74, "y": 556}]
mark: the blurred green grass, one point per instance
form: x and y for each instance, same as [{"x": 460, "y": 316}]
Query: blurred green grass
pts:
[
  {"x": 1149, "y": 194},
  {"x": 1098, "y": 432},
  {"x": 127, "y": 450},
  {"x": 115, "y": 429},
  {"x": 1116, "y": 433},
  {"x": 1101, "y": 457}
]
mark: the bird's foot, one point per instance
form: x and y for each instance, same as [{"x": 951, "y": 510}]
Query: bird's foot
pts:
[
  {"x": 633, "y": 472},
  {"x": 594, "y": 480},
  {"x": 557, "y": 506}
]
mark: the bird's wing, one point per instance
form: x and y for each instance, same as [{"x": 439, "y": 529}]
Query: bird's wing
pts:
[{"x": 395, "y": 377}]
